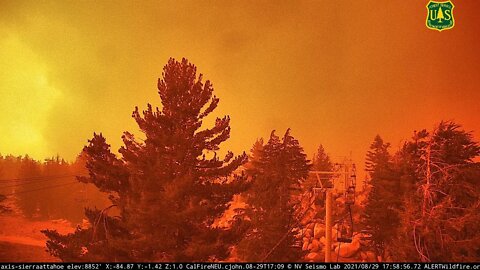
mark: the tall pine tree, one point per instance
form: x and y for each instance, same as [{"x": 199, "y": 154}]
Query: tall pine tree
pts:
[
  {"x": 321, "y": 160},
  {"x": 380, "y": 216},
  {"x": 378, "y": 158},
  {"x": 254, "y": 158},
  {"x": 441, "y": 216},
  {"x": 278, "y": 173},
  {"x": 168, "y": 187}
]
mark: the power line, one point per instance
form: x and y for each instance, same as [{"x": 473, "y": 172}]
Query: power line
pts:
[
  {"x": 35, "y": 182},
  {"x": 38, "y": 177},
  {"x": 38, "y": 189},
  {"x": 32, "y": 182}
]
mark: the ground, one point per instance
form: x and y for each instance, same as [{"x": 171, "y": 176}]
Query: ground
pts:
[{"x": 22, "y": 241}]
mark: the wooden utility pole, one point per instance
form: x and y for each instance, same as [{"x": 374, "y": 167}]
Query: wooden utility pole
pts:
[{"x": 328, "y": 225}]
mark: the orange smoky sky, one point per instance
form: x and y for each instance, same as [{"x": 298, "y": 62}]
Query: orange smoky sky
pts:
[{"x": 336, "y": 72}]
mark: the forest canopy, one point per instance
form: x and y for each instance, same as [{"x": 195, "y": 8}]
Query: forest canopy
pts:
[{"x": 167, "y": 195}]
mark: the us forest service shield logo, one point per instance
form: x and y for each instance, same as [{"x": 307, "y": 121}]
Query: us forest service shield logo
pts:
[{"x": 440, "y": 15}]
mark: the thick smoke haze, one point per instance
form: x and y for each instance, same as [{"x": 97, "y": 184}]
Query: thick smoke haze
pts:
[{"x": 336, "y": 72}]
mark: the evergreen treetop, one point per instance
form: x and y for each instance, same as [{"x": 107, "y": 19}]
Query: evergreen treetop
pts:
[
  {"x": 321, "y": 160},
  {"x": 281, "y": 168},
  {"x": 167, "y": 190}
]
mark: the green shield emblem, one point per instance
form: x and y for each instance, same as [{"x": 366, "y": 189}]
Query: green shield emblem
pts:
[{"x": 440, "y": 15}]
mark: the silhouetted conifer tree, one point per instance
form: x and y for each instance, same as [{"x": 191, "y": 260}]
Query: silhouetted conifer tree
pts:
[
  {"x": 378, "y": 158},
  {"x": 29, "y": 175},
  {"x": 441, "y": 209},
  {"x": 321, "y": 160},
  {"x": 282, "y": 166},
  {"x": 169, "y": 187},
  {"x": 251, "y": 167},
  {"x": 384, "y": 198}
]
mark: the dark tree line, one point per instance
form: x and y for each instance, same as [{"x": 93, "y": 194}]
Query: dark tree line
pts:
[
  {"x": 42, "y": 190},
  {"x": 424, "y": 200},
  {"x": 169, "y": 186}
]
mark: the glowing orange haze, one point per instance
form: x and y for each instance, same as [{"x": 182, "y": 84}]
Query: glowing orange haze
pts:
[{"x": 336, "y": 72}]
